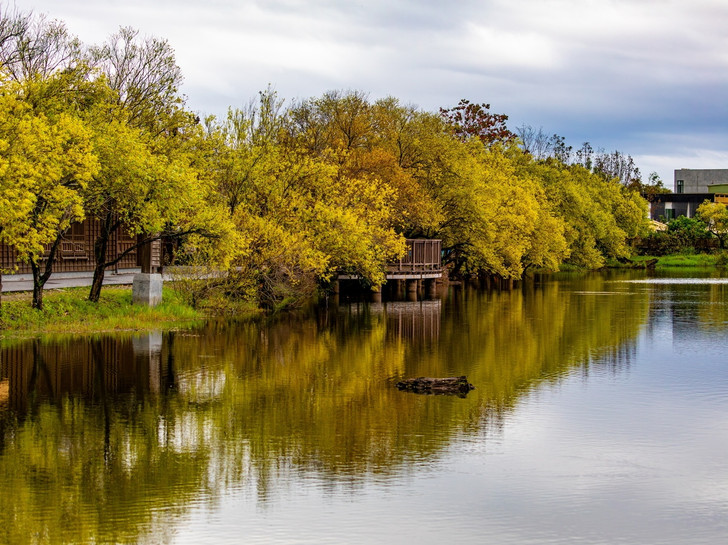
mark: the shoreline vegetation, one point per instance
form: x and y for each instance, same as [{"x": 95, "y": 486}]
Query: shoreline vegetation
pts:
[
  {"x": 283, "y": 195},
  {"x": 682, "y": 260},
  {"x": 68, "y": 312}
]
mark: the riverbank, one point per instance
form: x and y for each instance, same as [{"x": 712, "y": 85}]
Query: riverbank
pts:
[
  {"x": 69, "y": 311},
  {"x": 719, "y": 260}
]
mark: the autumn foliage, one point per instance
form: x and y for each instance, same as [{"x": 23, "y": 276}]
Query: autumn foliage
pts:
[{"x": 283, "y": 195}]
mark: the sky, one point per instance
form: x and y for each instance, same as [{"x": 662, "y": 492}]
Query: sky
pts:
[{"x": 646, "y": 77}]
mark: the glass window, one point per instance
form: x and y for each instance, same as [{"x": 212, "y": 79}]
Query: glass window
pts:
[{"x": 680, "y": 186}]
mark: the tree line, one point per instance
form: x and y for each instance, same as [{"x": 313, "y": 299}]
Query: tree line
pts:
[{"x": 282, "y": 194}]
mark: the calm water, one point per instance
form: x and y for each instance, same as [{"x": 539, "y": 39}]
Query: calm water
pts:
[{"x": 600, "y": 415}]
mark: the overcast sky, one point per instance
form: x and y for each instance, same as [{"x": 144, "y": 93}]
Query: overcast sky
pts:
[{"x": 647, "y": 77}]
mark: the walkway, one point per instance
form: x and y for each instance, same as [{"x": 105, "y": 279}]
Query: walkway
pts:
[{"x": 24, "y": 282}]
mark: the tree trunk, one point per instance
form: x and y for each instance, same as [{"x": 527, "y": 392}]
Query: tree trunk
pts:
[
  {"x": 100, "y": 269},
  {"x": 100, "y": 246},
  {"x": 98, "y": 281},
  {"x": 37, "y": 286},
  {"x": 40, "y": 278}
]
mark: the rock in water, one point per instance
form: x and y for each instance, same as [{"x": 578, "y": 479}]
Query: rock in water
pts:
[{"x": 425, "y": 385}]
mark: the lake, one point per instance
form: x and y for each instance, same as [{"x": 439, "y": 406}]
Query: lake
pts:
[{"x": 599, "y": 415}]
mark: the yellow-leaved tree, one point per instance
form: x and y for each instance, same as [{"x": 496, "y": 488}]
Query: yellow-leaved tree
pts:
[
  {"x": 304, "y": 213},
  {"x": 150, "y": 182},
  {"x": 47, "y": 160},
  {"x": 49, "y": 156},
  {"x": 715, "y": 216}
]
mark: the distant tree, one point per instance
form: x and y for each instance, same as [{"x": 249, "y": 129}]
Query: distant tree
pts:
[
  {"x": 470, "y": 120},
  {"x": 715, "y": 216},
  {"x": 535, "y": 142},
  {"x": 146, "y": 78},
  {"x": 584, "y": 156},
  {"x": 617, "y": 165},
  {"x": 560, "y": 150},
  {"x": 653, "y": 187},
  {"x": 31, "y": 46}
]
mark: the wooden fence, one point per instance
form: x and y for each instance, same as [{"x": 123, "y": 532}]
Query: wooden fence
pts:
[
  {"x": 422, "y": 256},
  {"x": 76, "y": 252}
]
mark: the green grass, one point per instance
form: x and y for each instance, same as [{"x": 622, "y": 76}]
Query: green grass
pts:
[
  {"x": 698, "y": 260},
  {"x": 685, "y": 260},
  {"x": 68, "y": 311}
]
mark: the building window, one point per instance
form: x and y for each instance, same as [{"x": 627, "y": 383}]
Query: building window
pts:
[{"x": 680, "y": 186}]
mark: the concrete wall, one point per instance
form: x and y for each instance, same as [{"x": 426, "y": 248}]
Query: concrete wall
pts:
[
  {"x": 699, "y": 180},
  {"x": 679, "y": 209}
]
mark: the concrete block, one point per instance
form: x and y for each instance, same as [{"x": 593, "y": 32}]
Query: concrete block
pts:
[{"x": 147, "y": 289}]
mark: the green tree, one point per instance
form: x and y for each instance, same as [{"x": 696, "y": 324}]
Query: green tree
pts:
[
  {"x": 601, "y": 217},
  {"x": 43, "y": 69},
  {"x": 146, "y": 184},
  {"x": 715, "y": 217},
  {"x": 688, "y": 230},
  {"x": 48, "y": 159}
]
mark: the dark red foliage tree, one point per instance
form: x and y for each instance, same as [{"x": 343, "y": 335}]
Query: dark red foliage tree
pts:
[{"x": 475, "y": 120}]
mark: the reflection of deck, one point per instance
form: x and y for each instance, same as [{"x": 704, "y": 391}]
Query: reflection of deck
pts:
[
  {"x": 415, "y": 321},
  {"x": 421, "y": 261}
]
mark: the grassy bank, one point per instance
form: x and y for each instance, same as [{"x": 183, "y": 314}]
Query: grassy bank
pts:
[
  {"x": 68, "y": 311},
  {"x": 676, "y": 260}
]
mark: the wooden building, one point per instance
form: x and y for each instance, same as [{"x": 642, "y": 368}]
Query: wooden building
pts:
[{"x": 76, "y": 252}]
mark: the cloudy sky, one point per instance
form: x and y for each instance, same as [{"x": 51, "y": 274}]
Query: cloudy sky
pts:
[{"x": 647, "y": 77}]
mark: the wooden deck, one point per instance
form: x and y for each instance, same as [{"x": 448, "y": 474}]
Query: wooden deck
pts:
[{"x": 422, "y": 261}]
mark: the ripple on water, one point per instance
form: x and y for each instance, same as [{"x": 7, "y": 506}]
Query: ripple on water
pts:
[{"x": 673, "y": 281}]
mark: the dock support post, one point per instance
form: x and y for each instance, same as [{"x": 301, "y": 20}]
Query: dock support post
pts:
[
  {"x": 401, "y": 289},
  {"x": 430, "y": 288},
  {"x": 412, "y": 288}
]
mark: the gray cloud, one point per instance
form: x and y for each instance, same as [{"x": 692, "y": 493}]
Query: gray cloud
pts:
[{"x": 649, "y": 78}]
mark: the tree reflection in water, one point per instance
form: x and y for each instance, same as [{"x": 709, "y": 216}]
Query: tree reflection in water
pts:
[{"x": 112, "y": 439}]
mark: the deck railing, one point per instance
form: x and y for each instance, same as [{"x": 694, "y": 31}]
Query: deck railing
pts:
[{"x": 422, "y": 256}]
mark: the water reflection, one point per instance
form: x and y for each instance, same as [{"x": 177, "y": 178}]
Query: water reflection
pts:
[{"x": 113, "y": 439}]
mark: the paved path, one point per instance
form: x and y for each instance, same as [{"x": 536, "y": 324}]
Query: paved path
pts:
[{"x": 24, "y": 282}]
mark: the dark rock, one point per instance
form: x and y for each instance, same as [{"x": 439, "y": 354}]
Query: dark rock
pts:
[{"x": 442, "y": 386}]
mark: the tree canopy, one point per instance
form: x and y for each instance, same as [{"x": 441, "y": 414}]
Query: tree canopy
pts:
[{"x": 284, "y": 194}]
